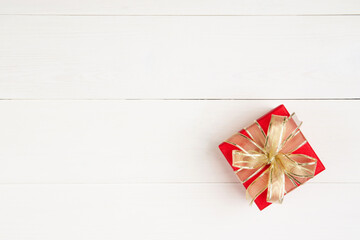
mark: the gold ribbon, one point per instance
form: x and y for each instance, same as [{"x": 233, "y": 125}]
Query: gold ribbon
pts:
[{"x": 273, "y": 152}]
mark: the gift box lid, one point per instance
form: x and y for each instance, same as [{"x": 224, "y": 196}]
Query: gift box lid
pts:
[{"x": 264, "y": 121}]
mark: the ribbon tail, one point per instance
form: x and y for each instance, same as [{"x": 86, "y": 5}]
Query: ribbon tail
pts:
[
  {"x": 276, "y": 183},
  {"x": 258, "y": 186}
]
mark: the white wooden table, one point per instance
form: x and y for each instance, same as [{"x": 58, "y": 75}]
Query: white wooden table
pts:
[{"x": 112, "y": 111}]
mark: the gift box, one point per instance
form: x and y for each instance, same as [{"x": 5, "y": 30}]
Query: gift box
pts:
[{"x": 271, "y": 157}]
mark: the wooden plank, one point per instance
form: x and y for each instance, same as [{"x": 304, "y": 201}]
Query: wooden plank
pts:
[
  {"x": 174, "y": 211},
  {"x": 156, "y": 141},
  {"x": 179, "y": 57},
  {"x": 178, "y": 7}
]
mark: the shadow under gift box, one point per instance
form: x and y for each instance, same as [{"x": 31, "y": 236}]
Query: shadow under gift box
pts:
[{"x": 227, "y": 149}]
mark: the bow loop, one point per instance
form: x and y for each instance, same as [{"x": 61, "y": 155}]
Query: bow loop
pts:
[
  {"x": 250, "y": 160},
  {"x": 275, "y": 135}
]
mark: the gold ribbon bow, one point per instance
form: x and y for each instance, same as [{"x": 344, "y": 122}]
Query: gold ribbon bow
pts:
[{"x": 273, "y": 152}]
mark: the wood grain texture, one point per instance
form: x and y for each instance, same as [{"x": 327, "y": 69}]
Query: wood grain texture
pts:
[
  {"x": 52, "y": 57},
  {"x": 169, "y": 211},
  {"x": 110, "y": 125},
  {"x": 180, "y": 7},
  {"x": 156, "y": 141}
]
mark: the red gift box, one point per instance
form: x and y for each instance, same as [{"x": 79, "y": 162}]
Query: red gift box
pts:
[{"x": 227, "y": 150}]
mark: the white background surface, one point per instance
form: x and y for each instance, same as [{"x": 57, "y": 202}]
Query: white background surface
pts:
[{"x": 112, "y": 111}]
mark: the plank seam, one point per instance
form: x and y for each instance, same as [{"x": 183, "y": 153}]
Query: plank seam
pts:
[
  {"x": 160, "y": 183},
  {"x": 179, "y": 99},
  {"x": 180, "y": 15}
]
